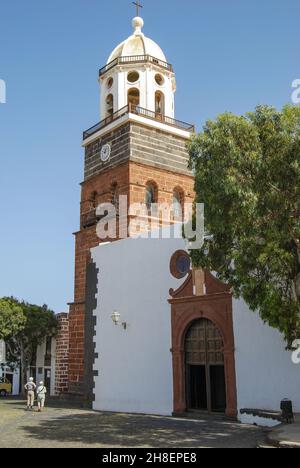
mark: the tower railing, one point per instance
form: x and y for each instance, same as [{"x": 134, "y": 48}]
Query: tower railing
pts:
[
  {"x": 158, "y": 117},
  {"x": 111, "y": 118},
  {"x": 140, "y": 111},
  {"x": 135, "y": 59}
]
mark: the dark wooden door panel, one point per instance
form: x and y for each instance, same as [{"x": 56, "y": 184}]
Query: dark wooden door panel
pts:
[{"x": 204, "y": 359}]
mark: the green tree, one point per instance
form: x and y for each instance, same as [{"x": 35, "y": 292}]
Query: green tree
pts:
[
  {"x": 12, "y": 318},
  {"x": 40, "y": 322},
  {"x": 248, "y": 176}
]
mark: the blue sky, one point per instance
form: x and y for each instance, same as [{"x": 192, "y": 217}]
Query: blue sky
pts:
[{"x": 228, "y": 56}]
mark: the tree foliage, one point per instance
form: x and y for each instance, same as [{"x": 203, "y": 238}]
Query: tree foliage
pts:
[
  {"x": 248, "y": 176},
  {"x": 24, "y": 327},
  {"x": 12, "y": 318}
]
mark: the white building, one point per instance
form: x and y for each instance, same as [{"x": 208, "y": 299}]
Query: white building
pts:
[
  {"x": 43, "y": 365},
  {"x": 9, "y": 373},
  {"x": 13, "y": 376},
  {"x": 43, "y": 368}
]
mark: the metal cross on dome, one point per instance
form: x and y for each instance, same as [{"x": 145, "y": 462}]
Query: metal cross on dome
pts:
[{"x": 138, "y": 6}]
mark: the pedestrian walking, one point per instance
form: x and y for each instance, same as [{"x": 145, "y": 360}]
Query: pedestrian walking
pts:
[
  {"x": 30, "y": 388},
  {"x": 41, "y": 396}
]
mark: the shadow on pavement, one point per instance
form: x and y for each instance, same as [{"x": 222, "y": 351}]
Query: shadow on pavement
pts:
[
  {"x": 115, "y": 430},
  {"x": 20, "y": 403}
]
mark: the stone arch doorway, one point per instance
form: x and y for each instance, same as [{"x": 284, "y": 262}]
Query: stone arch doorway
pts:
[
  {"x": 203, "y": 297},
  {"x": 204, "y": 367}
]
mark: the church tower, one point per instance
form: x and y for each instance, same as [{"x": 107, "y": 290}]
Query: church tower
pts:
[{"x": 138, "y": 149}]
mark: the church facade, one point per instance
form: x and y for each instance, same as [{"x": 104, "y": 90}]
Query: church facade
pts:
[{"x": 147, "y": 332}]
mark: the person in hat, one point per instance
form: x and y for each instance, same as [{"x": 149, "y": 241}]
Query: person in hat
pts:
[
  {"x": 41, "y": 396},
  {"x": 30, "y": 388}
]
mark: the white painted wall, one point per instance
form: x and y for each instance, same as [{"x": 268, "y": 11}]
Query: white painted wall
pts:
[
  {"x": 16, "y": 382},
  {"x": 2, "y": 351},
  {"x": 135, "y": 365},
  {"x": 264, "y": 370}
]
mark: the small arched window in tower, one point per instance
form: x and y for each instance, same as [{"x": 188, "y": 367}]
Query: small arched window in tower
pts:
[
  {"x": 151, "y": 194},
  {"x": 133, "y": 97},
  {"x": 109, "y": 105},
  {"x": 110, "y": 83},
  {"x": 93, "y": 200},
  {"x": 89, "y": 217},
  {"x": 115, "y": 195},
  {"x": 178, "y": 201},
  {"x": 159, "y": 104}
]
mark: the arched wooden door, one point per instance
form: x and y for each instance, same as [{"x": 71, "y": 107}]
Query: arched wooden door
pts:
[{"x": 205, "y": 370}]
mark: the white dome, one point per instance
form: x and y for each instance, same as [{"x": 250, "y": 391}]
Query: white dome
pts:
[{"x": 137, "y": 44}]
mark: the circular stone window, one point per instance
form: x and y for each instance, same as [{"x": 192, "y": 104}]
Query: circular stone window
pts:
[
  {"x": 159, "y": 79},
  {"x": 133, "y": 77},
  {"x": 110, "y": 83},
  {"x": 180, "y": 264}
]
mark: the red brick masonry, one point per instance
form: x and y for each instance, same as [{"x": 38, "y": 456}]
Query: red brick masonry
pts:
[
  {"x": 62, "y": 355},
  {"x": 132, "y": 179}
]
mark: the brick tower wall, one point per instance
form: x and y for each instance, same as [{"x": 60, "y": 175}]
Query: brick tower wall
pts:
[
  {"x": 139, "y": 155},
  {"x": 62, "y": 355},
  {"x": 85, "y": 239}
]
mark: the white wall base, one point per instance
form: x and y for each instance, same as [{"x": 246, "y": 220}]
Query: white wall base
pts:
[{"x": 256, "y": 420}]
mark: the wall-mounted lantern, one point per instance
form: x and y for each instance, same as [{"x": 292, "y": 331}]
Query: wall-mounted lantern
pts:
[{"x": 116, "y": 318}]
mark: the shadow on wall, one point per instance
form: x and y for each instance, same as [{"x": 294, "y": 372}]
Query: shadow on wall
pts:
[{"x": 116, "y": 430}]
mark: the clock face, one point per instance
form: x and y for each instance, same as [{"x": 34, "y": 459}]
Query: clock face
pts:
[{"x": 105, "y": 153}]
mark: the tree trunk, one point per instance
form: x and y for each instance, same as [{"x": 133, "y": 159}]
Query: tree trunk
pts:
[
  {"x": 297, "y": 287},
  {"x": 23, "y": 371}
]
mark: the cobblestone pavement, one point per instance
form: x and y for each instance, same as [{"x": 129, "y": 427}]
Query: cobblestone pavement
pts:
[{"x": 60, "y": 425}]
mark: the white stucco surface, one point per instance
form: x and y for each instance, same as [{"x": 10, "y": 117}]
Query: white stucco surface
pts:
[
  {"x": 146, "y": 85},
  {"x": 264, "y": 370},
  {"x": 16, "y": 382},
  {"x": 135, "y": 365}
]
